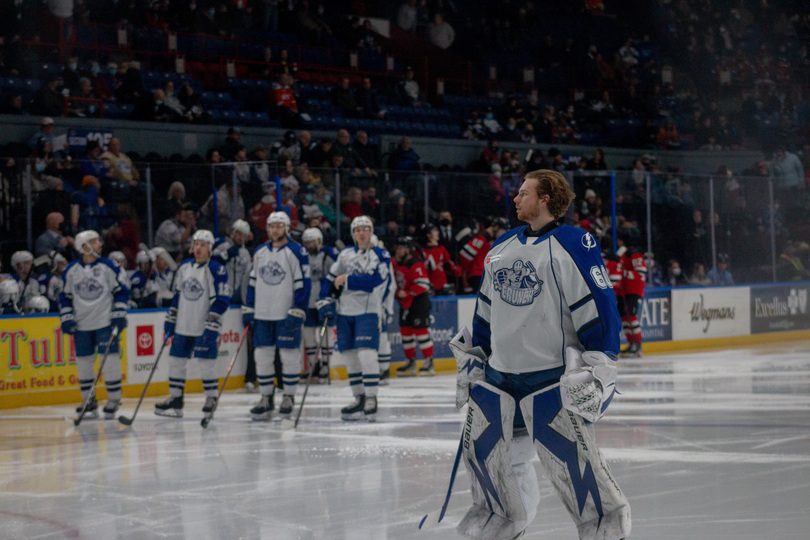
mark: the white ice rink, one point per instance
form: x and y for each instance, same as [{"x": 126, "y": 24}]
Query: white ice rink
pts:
[{"x": 712, "y": 445}]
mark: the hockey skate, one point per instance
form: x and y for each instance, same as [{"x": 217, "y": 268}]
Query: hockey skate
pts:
[
  {"x": 385, "y": 375},
  {"x": 110, "y": 408},
  {"x": 370, "y": 409},
  {"x": 172, "y": 407},
  {"x": 632, "y": 351},
  {"x": 408, "y": 370},
  {"x": 427, "y": 368},
  {"x": 210, "y": 403},
  {"x": 323, "y": 374},
  {"x": 355, "y": 410},
  {"x": 92, "y": 409},
  {"x": 263, "y": 410},
  {"x": 286, "y": 408}
]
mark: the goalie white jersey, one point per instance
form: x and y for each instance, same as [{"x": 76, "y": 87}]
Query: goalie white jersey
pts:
[
  {"x": 90, "y": 291},
  {"x": 555, "y": 289},
  {"x": 367, "y": 270},
  {"x": 199, "y": 290},
  {"x": 279, "y": 281}
]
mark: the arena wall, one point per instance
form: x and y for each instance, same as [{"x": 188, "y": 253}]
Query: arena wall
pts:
[{"x": 38, "y": 360}]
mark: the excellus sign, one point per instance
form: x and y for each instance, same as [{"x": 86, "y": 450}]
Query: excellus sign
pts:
[{"x": 777, "y": 308}]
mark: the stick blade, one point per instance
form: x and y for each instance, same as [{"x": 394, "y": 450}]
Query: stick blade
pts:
[
  {"x": 430, "y": 520},
  {"x": 72, "y": 421},
  {"x": 124, "y": 420},
  {"x": 205, "y": 421}
]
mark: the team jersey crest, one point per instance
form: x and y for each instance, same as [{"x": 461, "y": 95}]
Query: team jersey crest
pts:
[
  {"x": 89, "y": 288},
  {"x": 192, "y": 289},
  {"x": 518, "y": 285},
  {"x": 588, "y": 241},
  {"x": 272, "y": 273}
]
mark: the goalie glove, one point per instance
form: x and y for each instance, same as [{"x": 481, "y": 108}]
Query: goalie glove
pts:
[
  {"x": 588, "y": 384},
  {"x": 470, "y": 362}
]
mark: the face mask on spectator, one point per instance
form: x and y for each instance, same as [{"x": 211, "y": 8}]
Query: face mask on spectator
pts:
[
  {"x": 327, "y": 198},
  {"x": 211, "y": 12},
  {"x": 40, "y": 166},
  {"x": 73, "y": 66},
  {"x": 676, "y": 271},
  {"x": 95, "y": 70},
  {"x": 308, "y": 197},
  {"x": 112, "y": 71}
]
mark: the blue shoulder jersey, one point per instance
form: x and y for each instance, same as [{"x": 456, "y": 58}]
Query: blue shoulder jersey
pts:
[
  {"x": 542, "y": 294},
  {"x": 367, "y": 270}
]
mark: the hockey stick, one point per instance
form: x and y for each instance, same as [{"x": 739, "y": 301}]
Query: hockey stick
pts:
[
  {"x": 128, "y": 421},
  {"x": 432, "y": 519},
  {"x": 208, "y": 416},
  {"x": 77, "y": 421},
  {"x": 290, "y": 424}
]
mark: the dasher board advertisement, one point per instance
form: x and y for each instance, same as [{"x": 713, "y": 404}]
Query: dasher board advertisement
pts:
[{"x": 699, "y": 313}]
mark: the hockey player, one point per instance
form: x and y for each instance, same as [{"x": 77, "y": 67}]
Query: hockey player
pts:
[
  {"x": 233, "y": 254},
  {"x": 163, "y": 276},
  {"x": 355, "y": 279},
  {"x": 634, "y": 276},
  {"x": 471, "y": 257},
  {"x": 142, "y": 284},
  {"x": 276, "y": 304},
  {"x": 22, "y": 266},
  {"x": 546, "y": 328},
  {"x": 389, "y": 288},
  {"x": 50, "y": 282},
  {"x": 10, "y": 297},
  {"x": 321, "y": 259},
  {"x": 119, "y": 258},
  {"x": 194, "y": 320},
  {"x": 93, "y": 301},
  {"x": 414, "y": 307},
  {"x": 442, "y": 271}
]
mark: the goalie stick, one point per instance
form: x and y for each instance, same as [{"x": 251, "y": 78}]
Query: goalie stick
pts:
[
  {"x": 290, "y": 424},
  {"x": 209, "y": 416},
  {"x": 128, "y": 421},
  {"x": 92, "y": 394},
  {"x": 432, "y": 519}
]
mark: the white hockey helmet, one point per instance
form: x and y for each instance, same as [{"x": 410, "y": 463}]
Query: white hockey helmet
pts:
[
  {"x": 362, "y": 221},
  {"x": 144, "y": 257},
  {"x": 83, "y": 240},
  {"x": 161, "y": 253},
  {"x": 279, "y": 217},
  {"x": 9, "y": 292},
  {"x": 204, "y": 235},
  {"x": 119, "y": 258},
  {"x": 38, "y": 304},
  {"x": 240, "y": 225},
  {"x": 19, "y": 258},
  {"x": 311, "y": 235}
]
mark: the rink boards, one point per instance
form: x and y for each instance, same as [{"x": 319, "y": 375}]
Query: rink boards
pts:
[{"x": 37, "y": 362}]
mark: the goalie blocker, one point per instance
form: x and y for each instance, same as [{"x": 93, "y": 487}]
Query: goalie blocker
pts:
[{"x": 504, "y": 484}]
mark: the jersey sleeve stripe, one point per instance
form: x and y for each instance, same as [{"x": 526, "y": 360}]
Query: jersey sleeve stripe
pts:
[
  {"x": 485, "y": 298},
  {"x": 480, "y": 320},
  {"x": 587, "y": 326},
  {"x": 581, "y": 302}
]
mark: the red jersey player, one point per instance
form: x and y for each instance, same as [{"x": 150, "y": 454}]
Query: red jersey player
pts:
[
  {"x": 414, "y": 307},
  {"x": 634, "y": 276}
]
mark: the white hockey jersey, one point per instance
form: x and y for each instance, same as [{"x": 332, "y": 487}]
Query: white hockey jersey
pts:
[
  {"x": 238, "y": 266},
  {"x": 91, "y": 290},
  {"x": 200, "y": 291},
  {"x": 367, "y": 270},
  {"x": 29, "y": 288},
  {"x": 279, "y": 280},
  {"x": 541, "y": 294},
  {"x": 319, "y": 265}
]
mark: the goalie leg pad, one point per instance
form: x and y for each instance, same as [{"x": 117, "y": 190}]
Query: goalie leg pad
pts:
[
  {"x": 576, "y": 467},
  {"x": 498, "y": 510}
]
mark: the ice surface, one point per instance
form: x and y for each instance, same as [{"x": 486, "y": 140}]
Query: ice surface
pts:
[{"x": 711, "y": 445}]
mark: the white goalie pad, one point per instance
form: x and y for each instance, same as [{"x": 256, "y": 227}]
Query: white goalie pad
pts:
[
  {"x": 576, "y": 467},
  {"x": 589, "y": 383},
  {"x": 498, "y": 510},
  {"x": 470, "y": 362}
]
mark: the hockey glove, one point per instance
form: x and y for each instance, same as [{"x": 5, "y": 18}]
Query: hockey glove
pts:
[
  {"x": 211, "y": 333},
  {"x": 67, "y": 323},
  {"x": 588, "y": 384},
  {"x": 326, "y": 309},
  {"x": 171, "y": 319},
  {"x": 247, "y": 316},
  {"x": 470, "y": 362},
  {"x": 295, "y": 318},
  {"x": 118, "y": 317}
]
